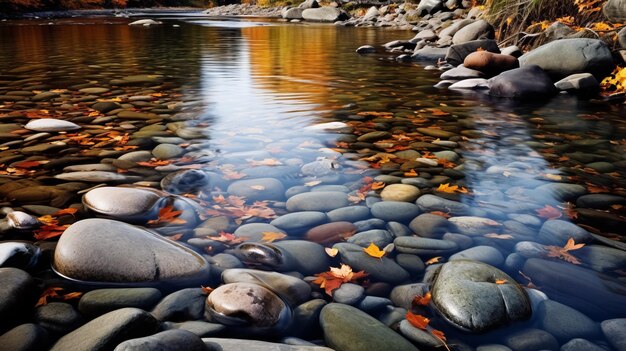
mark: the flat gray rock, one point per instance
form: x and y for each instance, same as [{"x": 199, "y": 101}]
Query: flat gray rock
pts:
[
  {"x": 256, "y": 345},
  {"x": 169, "y": 340},
  {"x": 108, "y": 331},
  {"x": 102, "y": 250},
  {"x": 51, "y": 125},
  {"x": 465, "y": 293},
  {"x": 138, "y": 202},
  {"x": 294, "y": 290}
]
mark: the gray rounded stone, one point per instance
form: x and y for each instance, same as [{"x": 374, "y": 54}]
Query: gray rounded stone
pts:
[
  {"x": 349, "y": 329},
  {"x": 430, "y": 203},
  {"x": 108, "y": 331},
  {"x": 465, "y": 293},
  {"x": 485, "y": 254},
  {"x": 557, "y": 232},
  {"x": 25, "y": 337},
  {"x": 254, "y": 231},
  {"x": 424, "y": 246},
  {"x": 185, "y": 304},
  {"x": 383, "y": 269},
  {"x": 18, "y": 294},
  {"x": 581, "y": 345},
  {"x": 321, "y": 201},
  {"x": 564, "y": 322},
  {"x": 258, "y": 189},
  {"x": 138, "y": 202},
  {"x": 58, "y": 317},
  {"x": 100, "y": 301},
  {"x": 615, "y": 331},
  {"x": 470, "y": 225},
  {"x": 348, "y": 294},
  {"x": 292, "y": 289},
  {"x": 102, "y": 250},
  {"x": 428, "y": 225},
  {"x": 167, "y": 151},
  {"x": 169, "y": 340},
  {"x": 298, "y": 222},
  {"x": 397, "y": 211},
  {"x": 532, "y": 340}
]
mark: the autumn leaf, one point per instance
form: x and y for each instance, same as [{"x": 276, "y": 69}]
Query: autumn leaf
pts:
[
  {"x": 154, "y": 163},
  {"x": 374, "y": 251},
  {"x": 332, "y": 252},
  {"x": 27, "y": 164},
  {"x": 49, "y": 231},
  {"x": 548, "y": 212},
  {"x": 269, "y": 237},
  {"x": 442, "y": 214},
  {"x": 265, "y": 162},
  {"x": 206, "y": 289},
  {"x": 563, "y": 252},
  {"x": 175, "y": 237},
  {"x": 411, "y": 173},
  {"x": 228, "y": 238},
  {"x": 451, "y": 189},
  {"x": 53, "y": 293},
  {"x": 65, "y": 211},
  {"x": 501, "y": 281},
  {"x": 421, "y": 300},
  {"x": 333, "y": 278},
  {"x": 417, "y": 320},
  {"x": 434, "y": 260},
  {"x": 378, "y": 185},
  {"x": 167, "y": 215},
  {"x": 439, "y": 335}
]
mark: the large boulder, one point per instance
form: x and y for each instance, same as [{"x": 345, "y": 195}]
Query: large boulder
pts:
[
  {"x": 102, "y": 250},
  {"x": 565, "y": 57},
  {"x": 324, "y": 14},
  {"x": 477, "y": 297},
  {"x": 615, "y": 10},
  {"x": 292, "y": 13},
  {"x": 522, "y": 83},
  {"x": 480, "y": 29}
]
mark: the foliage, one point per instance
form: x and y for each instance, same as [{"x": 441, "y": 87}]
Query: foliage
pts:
[
  {"x": 333, "y": 278},
  {"x": 563, "y": 252}
]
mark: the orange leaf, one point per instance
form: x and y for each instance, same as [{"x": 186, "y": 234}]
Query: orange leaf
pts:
[
  {"x": 333, "y": 278},
  {"x": 417, "y": 320},
  {"x": 206, "y": 289},
  {"x": 438, "y": 334},
  {"x": 49, "y": 231},
  {"x": 175, "y": 237},
  {"x": 501, "y": 281},
  {"x": 562, "y": 252},
  {"x": 410, "y": 173},
  {"x": 27, "y": 164},
  {"x": 72, "y": 295},
  {"x": 451, "y": 189},
  {"x": 549, "y": 212},
  {"x": 269, "y": 237},
  {"x": 166, "y": 215},
  {"x": 154, "y": 163},
  {"x": 65, "y": 211},
  {"x": 48, "y": 293},
  {"x": 378, "y": 185},
  {"x": 434, "y": 260},
  {"x": 571, "y": 245},
  {"x": 442, "y": 214},
  {"x": 422, "y": 300},
  {"x": 374, "y": 251}
]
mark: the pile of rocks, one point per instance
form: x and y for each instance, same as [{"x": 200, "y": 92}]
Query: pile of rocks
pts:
[{"x": 244, "y": 10}]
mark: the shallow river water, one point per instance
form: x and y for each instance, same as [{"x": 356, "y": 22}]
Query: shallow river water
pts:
[{"x": 258, "y": 144}]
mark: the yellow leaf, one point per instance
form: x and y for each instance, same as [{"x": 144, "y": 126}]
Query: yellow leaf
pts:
[
  {"x": 378, "y": 185},
  {"x": 269, "y": 237},
  {"x": 374, "y": 251},
  {"x": 434, "y": 260},
  {"x": 332, "y": 252}
]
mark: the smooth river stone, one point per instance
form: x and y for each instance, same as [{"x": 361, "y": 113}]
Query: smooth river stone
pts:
[
  {"x": 465, "y": 294},
  {"x": 424, "y": 246},
  {"x": 109, "y": 330},
  {"x": 395, "y": 211},
  {"x": 256, "y": 345},
  {"x": 103, "y": 250},
  {"x": 51, "y": 125},
  {"x": 321, "y": 201},
  {"x": 137, "y": 203},
  {"x": 430, "y": 203},
  {"x": 17, "y": 295},
  {"x": 470, "y": 225},
  {"x": 330, "y": 233},
  {"x": 298, "y": 222},
  {"x": 100, "y": 301},
  {"x": 557, "y": 232},
  {"x": 97, "y": 177},
  {"x": 247, "y": 302},
  {"x": 169, "y": 340},
  {"x": 292, "y": 289},
  {"x": 258, "y": 189},
  {"x": 572, "y": 285},
  {"x": 400, "y": 192},
  {"x": 349, "y": 329}
]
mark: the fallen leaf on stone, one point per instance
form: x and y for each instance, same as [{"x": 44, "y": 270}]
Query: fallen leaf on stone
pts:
[
  {"x": 548, "y": 212},
  {"x": 442, "y": 214},
  {"x": 27, "y": 164},
  {"x": 228, "y": 238},
  {"x": 410, "y": 173},
  {"x": 434, "y": 260},
  {"x": 374, "y": 251},
  {"x": 451, "y": 189},
  {"x": 313, "y": 183},
  {"x": 417, "y": 320},
  {"x": 421, "y": 300},
  {"x": 206, "y": 289},
  {"x": 231, "y": 174},
  {"x": 65, "y": 211},
  {"x": 257, "y": 187},
  {"x": 175, "y": 237},
  {"x": 53, "y": 293},
  {"x": 269, "y": 237},
  {"x": 378, "y": 185},
  {"x": 498, "y": 236},
  {"x": 154, "y": 163},
  {"x": 167, "y": 215},
  {"x": 332, "y": 252},
  {"x": 501, "y": 281},
  {"x": 49, "y": 231},
  {"x": 563, "y": 252},
  {"x": 333, "y": 279}
]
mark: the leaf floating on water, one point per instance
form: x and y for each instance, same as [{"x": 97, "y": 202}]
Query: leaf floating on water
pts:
[
  {"x": 331, "y": 251},
  {"x": 374, "y": 251},
  {"x": 50, "y": 231},
  {"x": 154, "y": 163},
  {"x": 228, "y": 238},
  {"x": 548, "y": 212},
  {"x": 563, "y": 252},
  {"x": 269, "y": 237},
  {"x": 167, "y": 215},
  {"x": 451, "y": 189}
]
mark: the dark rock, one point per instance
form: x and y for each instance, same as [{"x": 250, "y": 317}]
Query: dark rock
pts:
[
  {"x": 532, "y": 340},
  {"x": 98, "y": 302},
  {"x": 526, "y": 82},
  {"x": 25, "y": 337},
  {"x": 169, "y": 340},
  {"x": 17, "y": 295},
  {"x": 58, "y": 317},
  {"x": 182, "y": 305},
  {"x": 456, "y": 54},
  {"x": 615, "y": 331},
  {"x": 615, "y": 10},
  {"x": 565, "y": 323}
]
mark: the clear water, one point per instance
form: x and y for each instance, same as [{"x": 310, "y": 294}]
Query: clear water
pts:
[{"x": 256, "y": 88}]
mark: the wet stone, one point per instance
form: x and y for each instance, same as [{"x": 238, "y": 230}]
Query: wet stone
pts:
[
  {"x": 531, "y": 340},
  {"x": 384, "y": 269},
  {"x": 102, "y": 250},
  {"x": 348, "y": 294},
  {"x": 25, "y": 337},
  {"x": 428, "y": 225},
  {"x": 395, "y": 211},
  {"x": 181, "y": 305},
  {"x": 109, "y": 330},
  {"x": 379, "y": 237},
  {"x": 431, "y": 203},
  {"x": 246, "y": 304},
  {"x": 299, "y": 222},
  {"x": 424, "y": 246},
  {"x": 557, "y": 232},
  {"x": 18, "y": 255},
  {"x": 331, "y": 233},
  {"x": 51, "y": 125},
  {"x": 321, "y": 201},
  {"x": 292, "y": 289},
  {"x": 98, "y": 302},
  {"x": 167, "y": 151},
  {"x": 400, "y": 192},
  {"x": 615, "y": 331},
  {"x": 258, "y": 189},
  {"x": 464, "y": 292},
  {"x": 138, "y": 203},
  {"x": 18, "y": 294},
  {"x": 200, "y": 328},
  {"x": 58, "y": 317},
  {"x": 564, "y": 322},
  {"x": 169, "y": 340},
  {"x": 485, "y": 254},
  {"x": 420, "y": 337},
  {"x": 581, "y": 345}
]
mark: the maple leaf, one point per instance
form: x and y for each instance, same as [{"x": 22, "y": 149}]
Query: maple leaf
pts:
[
  {"x": 417, "y": 320},
  {"x": 228, "y": 238},
  {"x": 378, "y": 185},
  {"x": 333, "y": 278},
  {"x": 421, "y": 300},
  {"x": 451, "y": 189},
  {"x": 167, "y": 215},
  {"x": 49, "y": 231},
  {"x": 548, "y": 212},
  {"x": 563, "y": 252},
  {"x": 332, "y": 252},
  {"x": 269, "y": 237},
  {"x": 434, "y": 260},
  {"x": 374, "y": 251},
  {"x": 53, "y": 293}
]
